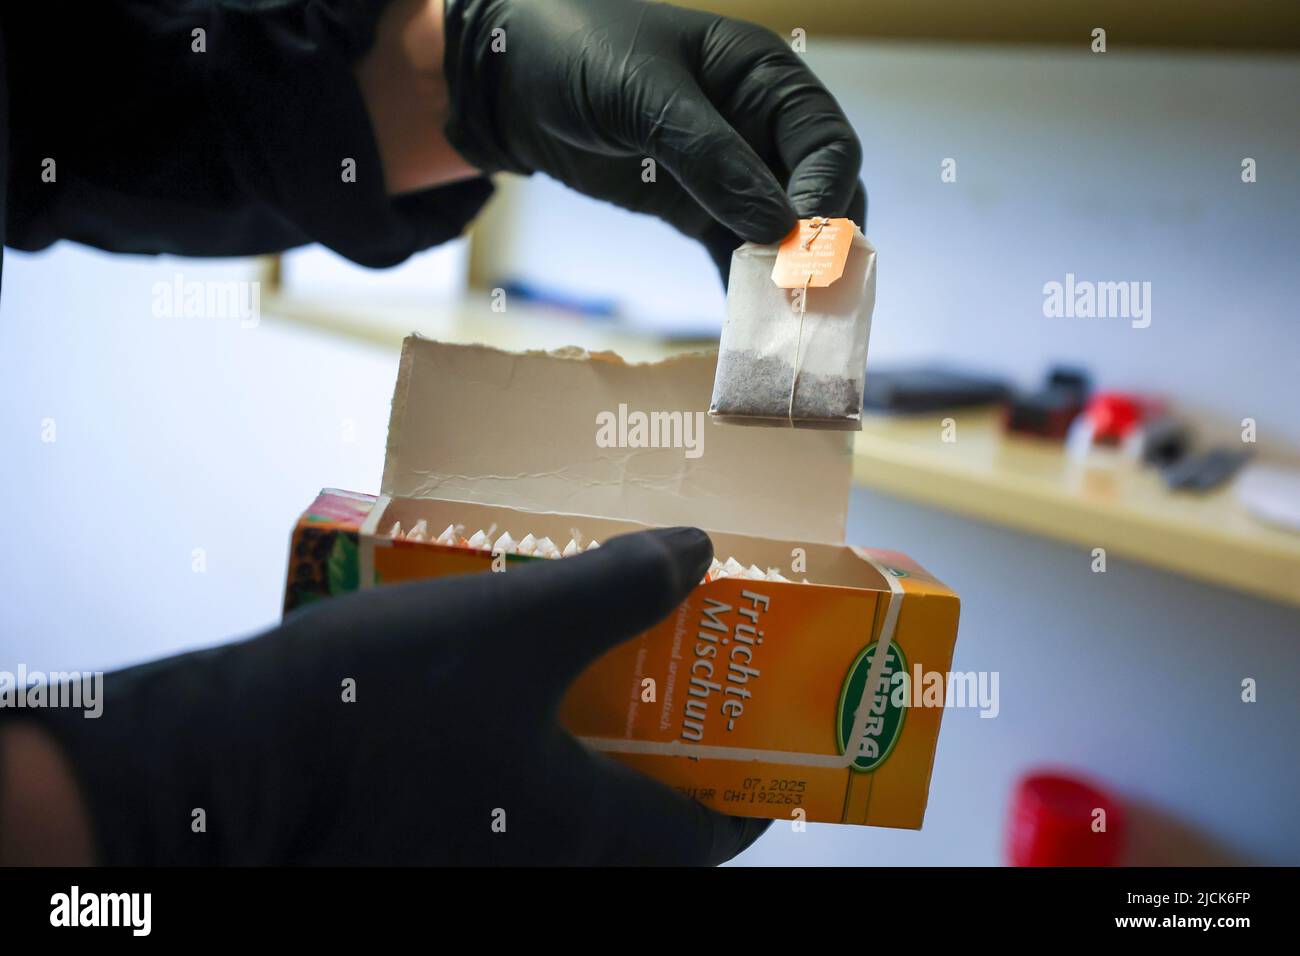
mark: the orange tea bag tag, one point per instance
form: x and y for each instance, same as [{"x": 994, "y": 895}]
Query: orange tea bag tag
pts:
[{"x": 814, "y": 253}]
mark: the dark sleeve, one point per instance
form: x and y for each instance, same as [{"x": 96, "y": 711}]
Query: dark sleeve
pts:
[{"x": 232, "y": 141}]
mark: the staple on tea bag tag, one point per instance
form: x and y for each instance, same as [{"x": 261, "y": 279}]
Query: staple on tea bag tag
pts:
[{"x": 804, "y": 373}]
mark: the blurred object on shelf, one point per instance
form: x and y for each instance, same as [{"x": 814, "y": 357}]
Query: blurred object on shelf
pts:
[
  {"x": 930, "y": 388},
  {"x": 1113, "y": 417},
  {"x": 1271, "y": 494},
  {"x": 562, "y": 303},
  {"x": 1049, "y": 411},
  {"x": 1206, "y": 471},
  {"x": 1111, "y": 428},
  {"x": 1060, "y": 819},
  {"x": 1125, "y": 428},
  {"x": 558, "y": 300},
  {"x": 1165, "y": 440}
]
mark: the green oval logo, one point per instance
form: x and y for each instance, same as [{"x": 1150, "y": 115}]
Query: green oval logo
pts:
[{"x": 885, "y": 720}]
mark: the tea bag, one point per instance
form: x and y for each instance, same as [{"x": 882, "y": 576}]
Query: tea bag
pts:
[{"x": 793, "y": 350}]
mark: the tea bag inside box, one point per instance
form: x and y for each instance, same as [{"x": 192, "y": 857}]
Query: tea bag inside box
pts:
[{"x": 782, "y": 366}]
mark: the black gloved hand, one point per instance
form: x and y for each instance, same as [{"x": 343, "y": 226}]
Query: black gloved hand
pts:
[
  {"x": 744, "y": 136},
  {"x": 457, "y": 686}
]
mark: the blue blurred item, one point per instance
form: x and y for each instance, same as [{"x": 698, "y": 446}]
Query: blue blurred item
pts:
[{"x": 560, "y": 300}]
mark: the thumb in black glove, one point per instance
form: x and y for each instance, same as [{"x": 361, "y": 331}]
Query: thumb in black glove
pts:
[
  {"x": 746, "y": 138},
  {"x": 453, "y": 730}
]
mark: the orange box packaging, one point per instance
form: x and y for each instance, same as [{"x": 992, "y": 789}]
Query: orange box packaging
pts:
[{"x": 777, "y": 695}]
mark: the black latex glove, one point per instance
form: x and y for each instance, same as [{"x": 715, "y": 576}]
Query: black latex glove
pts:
[
  {"x": 744, "y": 136},
  {"x": 457, "y": 686}
]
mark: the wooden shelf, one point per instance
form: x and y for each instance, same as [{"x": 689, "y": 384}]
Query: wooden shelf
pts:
[
  {"x": 468, "y": 320},
  {"x": 1034, "y": 486}
]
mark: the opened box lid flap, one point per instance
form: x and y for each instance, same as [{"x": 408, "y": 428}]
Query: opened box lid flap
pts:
[{"x": 587, "y": 433}]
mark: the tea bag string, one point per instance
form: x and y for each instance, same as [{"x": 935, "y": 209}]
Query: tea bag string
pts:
[
  {"x": 818, "y": 223},
  {"x": 798, "y": 348}
]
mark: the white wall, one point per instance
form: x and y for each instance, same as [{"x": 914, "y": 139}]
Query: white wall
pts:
[{"x": 171, "y": 434}]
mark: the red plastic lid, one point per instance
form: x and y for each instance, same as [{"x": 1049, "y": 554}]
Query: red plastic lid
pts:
[
  {"x": 1054, "y": 822},
  {"x": 1114, "y": 415}
]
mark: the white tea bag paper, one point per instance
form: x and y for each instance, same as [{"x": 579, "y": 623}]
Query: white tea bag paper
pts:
[{"x": 794, "y": 345}]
